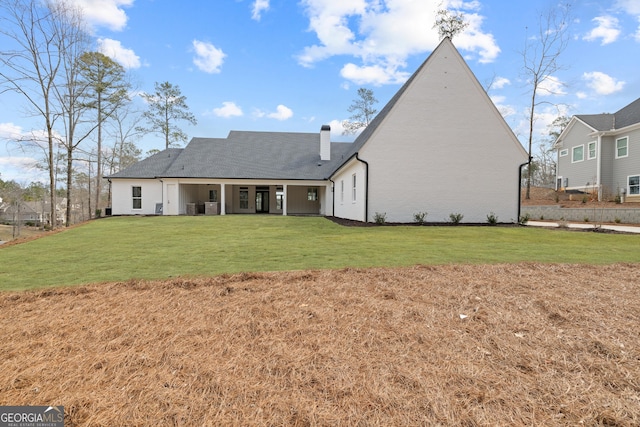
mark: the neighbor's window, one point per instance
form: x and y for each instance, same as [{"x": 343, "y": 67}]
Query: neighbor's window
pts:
[
  {"x": 577, "y": 154},
  {"x": 312, "y": 194},
  {"x": 353, "y": 187},
  {"x": 564, "y": 152},
  {"x": 634, "y": 184},
  {"x": 244, "y": 198},
  {"x": 136, "y": 192},
  {"x": 213, "y": 195},
  {"x": 622, "y": 147},
  {"x": 592, "y": 150}
]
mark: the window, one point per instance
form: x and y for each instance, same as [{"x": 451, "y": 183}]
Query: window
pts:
[
  {"x": 312, "y": 194},
  {"x": 213, "y": 195},
  {"x": 592, "y": 150},
  {"x": 244, "y": 197},
  {"x": 577, "y": 154},
  {"x": 136, "y": 192},
  {"x": 634, "y": 185},
  {"x": 564, "y": 152},
  {"x": 353, "y": 185},
  {"x": 342, "y": 190},
  {"x": 279, "y": 198},
  {"x": 622, "y": 147}
]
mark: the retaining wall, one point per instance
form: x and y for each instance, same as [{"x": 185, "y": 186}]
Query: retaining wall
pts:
[{"x": 556, "y": 213}]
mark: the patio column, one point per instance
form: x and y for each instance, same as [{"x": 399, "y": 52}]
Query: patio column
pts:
[
  {"x": 284, "y": 200},
  {"x": 223, "y": 198}
]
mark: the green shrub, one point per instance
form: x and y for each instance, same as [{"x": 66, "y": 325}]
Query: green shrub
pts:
[
  {"x": 455, "y": 218},
  {"x": 617, "y": 220},
  {"x": 492, "y": 218},
  {"x": 380, "y": 218},
  {"x": 586, "y": 219},
  {"x": 419, "y": 217},
  {"x": 524, "y": 219}
]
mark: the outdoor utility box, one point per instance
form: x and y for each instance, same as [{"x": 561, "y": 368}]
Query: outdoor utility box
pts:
[
  {"x": 107, "y": 211},
  {"x": 212, "y": 208},
  {"x": 191, "y": 208}
]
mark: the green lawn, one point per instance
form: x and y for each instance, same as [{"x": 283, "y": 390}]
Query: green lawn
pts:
[{"x": 116, "y": 249}]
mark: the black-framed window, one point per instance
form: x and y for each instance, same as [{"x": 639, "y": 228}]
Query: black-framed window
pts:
[{"x": 136, "y": 194}]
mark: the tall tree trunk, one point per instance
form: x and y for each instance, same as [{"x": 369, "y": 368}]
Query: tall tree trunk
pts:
[{"x": 99, "y": 168}]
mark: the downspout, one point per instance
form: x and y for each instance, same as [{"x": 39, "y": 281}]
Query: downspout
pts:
[
  {"x": 599, "y": 167},
  {"x": 162, "y": 194},
  {"x": 333, "y": 196},
  {"x": 366, "y": 188},
  {"x": 520, "y": 185}
]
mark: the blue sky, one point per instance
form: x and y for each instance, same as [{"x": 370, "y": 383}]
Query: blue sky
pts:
[{"x": 285, "y": 65}]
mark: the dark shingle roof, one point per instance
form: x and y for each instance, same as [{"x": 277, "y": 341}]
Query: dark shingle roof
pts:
[
  {"x": 243, "y": 155},
  {"x": 624, "y": 117},
  {"x": 150, "y": 167}
]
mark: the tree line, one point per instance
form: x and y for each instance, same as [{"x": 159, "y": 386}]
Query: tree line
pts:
[{"x": 82, "y": 100}]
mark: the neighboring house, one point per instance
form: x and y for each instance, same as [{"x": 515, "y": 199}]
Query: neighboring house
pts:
[
  {"x": 22, "y": 212},
  {"x": 438, "y": 146},
  {"x": 600, "y": 153},
  {"x": 31, "y": 212}
]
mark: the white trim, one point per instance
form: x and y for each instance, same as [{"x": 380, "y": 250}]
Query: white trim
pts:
[
  {"x": 354, "y": 188},
  {"x": 573, "y": 160},
  {"x": 627, "y": 147}
]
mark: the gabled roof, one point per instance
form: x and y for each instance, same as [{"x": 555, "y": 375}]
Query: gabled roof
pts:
[
  {"x": 379, "y": 118},
  {"x": 243, "y": 155},
  {"x": 627, "y": 116}
]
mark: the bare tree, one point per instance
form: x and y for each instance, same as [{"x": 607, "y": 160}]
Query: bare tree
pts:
[
  {"x": 106, "y": 91},
  {"x": 541, "y": 54},
  {"x": 449, "y": 23},
  {"x": 363, "y": 112},
  {"x": 34, "y": 35},
  {"x": 167, "y": 105}
]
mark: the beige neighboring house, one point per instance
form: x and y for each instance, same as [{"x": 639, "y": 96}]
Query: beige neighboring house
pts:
[{"x": 438, "y": 146}]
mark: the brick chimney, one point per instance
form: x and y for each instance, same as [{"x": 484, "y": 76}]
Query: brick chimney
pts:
[{"x": 325, "y": 142}]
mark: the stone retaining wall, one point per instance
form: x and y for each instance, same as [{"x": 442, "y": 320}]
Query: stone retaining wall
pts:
[{"x": 556, "y": 213}]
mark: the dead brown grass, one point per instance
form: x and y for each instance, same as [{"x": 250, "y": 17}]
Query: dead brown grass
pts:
[{"x": 541, "y": 345}]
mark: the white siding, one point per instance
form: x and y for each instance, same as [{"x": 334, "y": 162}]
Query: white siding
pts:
[
  {"x": 444, "y": 148},
  {"x": 345, "y": 207},
  {"x": 122, "y": 199}
]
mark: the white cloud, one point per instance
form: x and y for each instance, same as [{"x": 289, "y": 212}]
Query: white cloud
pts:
[
  {"x": 104, "y": 13},
  {"x": 228, "y": 109},
  {"x": 208, "y": 57},
  {"x": 500, "y": 82},
  {"x": 382, "y": 34},
  {"x": 11, "y": 132},
  {"x": 114, "y": 50},
  {"x": 607, "y": 29},
  {"x": 551, "y": 86},
  {"x": 504, "y": 109},
  {"x": 602, "y": 84},
  {"x": 282, "y": 113},
  {"x": 632, "y": 7},
  {"x": 258, "y": 7},
  {"x": 373, "y": 74}
]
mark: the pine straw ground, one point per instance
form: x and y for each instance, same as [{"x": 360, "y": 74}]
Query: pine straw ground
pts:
[{"x": 542, "y": 345}]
